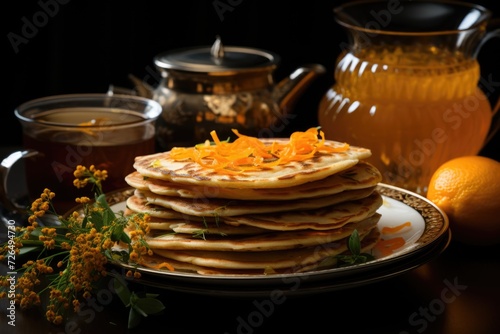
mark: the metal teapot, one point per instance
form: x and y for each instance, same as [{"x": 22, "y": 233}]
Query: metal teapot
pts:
[{"x": 222, "y": 88}]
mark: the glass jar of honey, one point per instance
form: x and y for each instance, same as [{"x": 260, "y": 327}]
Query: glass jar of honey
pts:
[{"x": 406, "y": 86}]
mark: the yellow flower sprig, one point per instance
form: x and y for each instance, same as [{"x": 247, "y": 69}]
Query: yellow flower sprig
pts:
[{"x": 73, "y": 255}]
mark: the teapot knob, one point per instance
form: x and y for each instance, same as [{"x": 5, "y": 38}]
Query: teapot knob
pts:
[{"x": 217, "y": 50}]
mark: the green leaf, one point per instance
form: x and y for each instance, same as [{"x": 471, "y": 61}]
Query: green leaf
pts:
[
  {"x": 367, "y": 256},
  {"x": 101, "y": 199},
  {"x": 36, "y": 233},
  {"x": 149, "y": 305},
  {"x": 328, "y": 262},
  {"x": 122, "y": 291},
  {"x": 125, "y": 238},
  {"x": 107, "y": 217},
  {"x": 139, "y": 310},
  {"x": 356, "y": 257},
  {"x": 25, "y": 250},
  {"x": 122, "y": 256},
  {"x": 61, "y": 238},
  {"x": 96, "y": 219},
  {"x": 347, "y": 258},
  {"x": 134, "y": 318},
  {"x": 117, "y": 232},
  {"x": 354, "y": 243},
  {"x": 142, "y": 307}
]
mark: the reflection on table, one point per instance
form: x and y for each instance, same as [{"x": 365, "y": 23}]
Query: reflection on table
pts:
[{"x": 457, "y": 292}]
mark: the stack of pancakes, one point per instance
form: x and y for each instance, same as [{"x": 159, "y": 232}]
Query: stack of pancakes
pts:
[{"x": 285, "y": 218}]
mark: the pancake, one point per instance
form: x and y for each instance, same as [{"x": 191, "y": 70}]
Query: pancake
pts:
[
  {"x": 256, "y": 263},
  {"x": 162, "y": 166},
  {"x": 156, "y": 223},
  {"x": 137, "y": 181},
  {"x": 255, "y": 260},
  {"x": 222, "y": 229},
  {"x": 362, "y": 175},
  {"x": 324, "y": 218},
  {"x": 138, "y": 204},
  {"x": 218, "y": 207},
  {"x": 261, "y": 242},
  {"x": 256, "y": 206},
  {"x": 201, "y": 229}
]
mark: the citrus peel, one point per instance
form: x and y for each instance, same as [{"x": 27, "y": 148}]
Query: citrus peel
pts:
[{"x": 248, "y": 153}]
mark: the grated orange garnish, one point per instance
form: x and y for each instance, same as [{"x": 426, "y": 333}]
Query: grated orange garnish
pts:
[
  {"x": 388, "y": 246},
  {"x": 250, "y": 153},
  {"x": 164, "y": 265},
  {"x": 395, "y": 229}
]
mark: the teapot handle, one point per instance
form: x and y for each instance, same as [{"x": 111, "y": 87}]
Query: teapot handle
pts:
[
  {"x": 289, "y": 88},
  {"x": 5, "y": 168}
]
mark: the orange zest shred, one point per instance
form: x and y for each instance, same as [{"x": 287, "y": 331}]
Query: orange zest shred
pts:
[
  {"x": 248, "y": 153},
  {"x": 388, "y": 246},
  {"x": 164, "y": 265},
  {"x": 395, "y": 229}
]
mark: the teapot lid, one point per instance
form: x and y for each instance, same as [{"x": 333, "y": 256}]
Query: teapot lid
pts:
[{"x": 217, "y": 58}]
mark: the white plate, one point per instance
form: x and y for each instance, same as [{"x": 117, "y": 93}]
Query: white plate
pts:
[{"x": 426, "y": 237}]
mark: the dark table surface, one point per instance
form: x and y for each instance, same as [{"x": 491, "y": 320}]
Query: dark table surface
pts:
[
  {"x": 451, "y": 292},
  {"x": 456, "y": 292}
]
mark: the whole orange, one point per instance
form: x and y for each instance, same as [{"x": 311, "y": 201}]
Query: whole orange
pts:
[{"x": 467, "y": 189}]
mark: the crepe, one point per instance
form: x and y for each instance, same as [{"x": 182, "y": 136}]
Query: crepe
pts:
[
  {"x": 159, "y": 225},
  {"x": 220, "y": 229},
  {"x": 262, "y": 263},
  {"x": 218, "y": 207},
  {"x": 325, "y": 218},
  {"x": 260, "y": 242},
  {"x": 361, "y": 175},
  {"x": 352, "y": 206},
  {"x": 262, "y": 206},
  {"x": 162, "y": 166},
  {"x": 139, "y": 203}
]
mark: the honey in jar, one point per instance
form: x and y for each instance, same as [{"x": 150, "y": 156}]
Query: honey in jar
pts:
[{"x": 411, "y": 97}]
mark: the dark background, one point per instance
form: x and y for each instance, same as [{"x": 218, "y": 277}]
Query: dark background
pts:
[{"x": 84, "y": 46}]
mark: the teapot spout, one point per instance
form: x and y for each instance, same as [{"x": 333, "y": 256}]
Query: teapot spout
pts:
[
  {"x": 287, "y": 91},
  {"x": 141, "y": 87}
]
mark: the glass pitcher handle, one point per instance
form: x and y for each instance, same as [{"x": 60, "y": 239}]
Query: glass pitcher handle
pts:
[
  {"x": 495, "y": 122},
  {"x": 5, "y": 168}
]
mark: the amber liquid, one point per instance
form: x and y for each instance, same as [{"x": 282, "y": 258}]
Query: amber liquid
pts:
[
  {"x": 414, "y": 111},
  {"x": 61, "y": 150}
]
